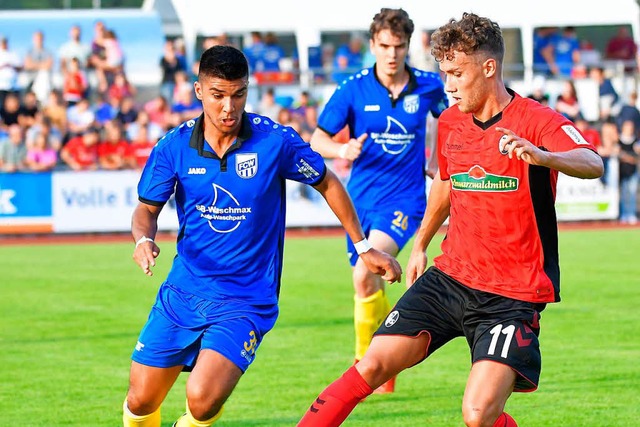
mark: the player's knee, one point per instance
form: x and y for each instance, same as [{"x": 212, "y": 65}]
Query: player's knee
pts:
[
  {"x": 365, "y": 282},
  {"x": 140, "y": 405},
  {"x": 479, "y": 417},
  {"x": 202, "y": 404},
  {"x": 373, "y": 370}
]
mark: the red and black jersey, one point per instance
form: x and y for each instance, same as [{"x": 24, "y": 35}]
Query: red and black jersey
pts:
[{"x": 502, "y": 236}]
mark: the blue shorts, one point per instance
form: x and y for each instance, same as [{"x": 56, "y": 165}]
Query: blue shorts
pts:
[
  {"x": 181, "y": 324},
  {"x": 399, "y": 222}
]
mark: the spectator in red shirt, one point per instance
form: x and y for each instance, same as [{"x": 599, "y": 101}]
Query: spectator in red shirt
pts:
[
  {"x": 114, "y": 149},
  {"x": 622, "y": 47},
  {"x": 81, "y": 152},
  {"x": 74, "y": 85},
  {"x": 121, "y": 88},
  {"x": 140, "y": 149}
]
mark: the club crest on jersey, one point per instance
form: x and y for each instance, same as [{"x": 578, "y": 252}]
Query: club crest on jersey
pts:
[
  {"x": 411, "y": 103},
  {"x": 246, "y": 165}
]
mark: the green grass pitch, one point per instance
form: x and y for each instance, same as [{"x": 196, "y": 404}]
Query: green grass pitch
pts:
[{"x": 70, "y": 316}]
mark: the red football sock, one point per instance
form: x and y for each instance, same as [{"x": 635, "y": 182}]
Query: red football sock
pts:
[
  {"x": 337, "y": 401},
  {"x": 505, "y": 420}
]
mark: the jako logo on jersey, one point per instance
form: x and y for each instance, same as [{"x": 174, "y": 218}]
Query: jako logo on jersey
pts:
[
  {"x": 371, "y": 108},
  {"x": 225, "y": 213},
  {"x": 411, "y": 103},
  {"x": 574, "y": 134},
  {"x": 197, "y": 171},
  {"x": 394, "y": 139},
  {"x": 246, "y": 165},
  {"x": 392, "y": 318},
  {"x": 477, "y": 179}
]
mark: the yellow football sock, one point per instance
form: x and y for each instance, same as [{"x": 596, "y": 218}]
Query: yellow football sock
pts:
[
  {"x": 368, "y": 314},
  {"x": 131, "y": 420},
  {"x": 187, "y": 419}
]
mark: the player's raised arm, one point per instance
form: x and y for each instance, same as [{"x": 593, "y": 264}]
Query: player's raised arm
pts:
[
  {"x": 340, "y": 203},
  {"x": 144, "y": 226}
]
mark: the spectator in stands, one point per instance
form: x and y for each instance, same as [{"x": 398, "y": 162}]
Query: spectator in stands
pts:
[
  {"x": 98, "y": 53},
  {"x": 622, "y": 47},
  {"x": 10, "y": 110},
  {"x": 159, "y": 111},
  {"x": 41, "y": 156},
  {"x": 13, "y": 151},
  {"x": 128, "y": 112},
  {"x": 268, "y": 106},
  {"x": 629, "y": 154},
  {"x": 44, "y": 127},
  {"x": 348, "y": 59},
  {"x": 566, "y": 51},
  {"x": 608, "y": 99},
  {"x": 28, "y": 110},
  {"x": 544, "y": 51},
  {"x": 186, "y": 107},
  {"x": 121, "y": 87},
  {"x": 567, "y": 102},
  {"x": 81, "y": 152},
  {"x": 38, "y": 64},
  {"x": 113, "y": 61},
  {"x": 170, "y": 64},
  {"x": 271, "y": 55},
  {"x": 181, "y": 83},
  {"x": 9, "y": 66},
  {"x": 629, "y": 112},
  {"x": 140, "y": 149},
  {"x": 80, "y": 117},
  {"x": 74, "y": 83},
  {"x": 113, "y": 150},
  {"x": 153, "y": 132},
  {"x": 106, "y": 108},
  {"x": 254, "y": 51},
  {"x": 420, "y": 54},
  {"x": 55, "y": 111},
  {"x": 74, "y": 48}
]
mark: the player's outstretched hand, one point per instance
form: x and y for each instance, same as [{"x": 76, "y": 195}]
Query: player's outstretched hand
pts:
[
  {"x": 416, "y": 266},
  {"x": 511, "y": 144},
  {"x": 383, "y": 264},
  {"x": 145, "y": 255}
]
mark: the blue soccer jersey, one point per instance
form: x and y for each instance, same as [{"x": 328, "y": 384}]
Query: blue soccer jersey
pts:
[
  {"x": 231, "y": 210},
  {"x": 391, "y": 167}
]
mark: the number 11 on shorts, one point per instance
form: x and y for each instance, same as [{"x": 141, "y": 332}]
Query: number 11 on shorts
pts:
[{"x": 495, "y": 332}]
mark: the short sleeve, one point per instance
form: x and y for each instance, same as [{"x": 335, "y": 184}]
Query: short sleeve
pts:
[
  {"x": 299, "y": 162},
  {"x": 158, "y": 179},
  {"x": 335, "y": 114}
]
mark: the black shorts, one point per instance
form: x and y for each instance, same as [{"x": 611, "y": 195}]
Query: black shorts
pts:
[{"x": 496, "y": 328}]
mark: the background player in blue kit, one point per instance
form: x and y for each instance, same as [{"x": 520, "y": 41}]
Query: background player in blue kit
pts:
[
  {"x": 227, "y": 169},
  {"x": 386, "y": 109}
]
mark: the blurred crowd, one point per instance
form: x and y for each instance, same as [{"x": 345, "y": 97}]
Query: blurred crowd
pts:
[{"x": 92, "y": 117}]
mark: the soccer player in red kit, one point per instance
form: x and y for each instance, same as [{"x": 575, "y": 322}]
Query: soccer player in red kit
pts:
[{"x": 499, "y": 156}]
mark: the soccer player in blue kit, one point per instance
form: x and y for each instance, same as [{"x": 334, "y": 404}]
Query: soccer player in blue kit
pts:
[
  {"x": 227, "y": 169},
  {"x": 385, "y": 108}
]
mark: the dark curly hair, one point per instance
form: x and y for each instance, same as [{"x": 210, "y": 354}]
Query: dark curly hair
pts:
[
  {"x": 395, "y": 20},
  {"x": 469, "y": 35}
]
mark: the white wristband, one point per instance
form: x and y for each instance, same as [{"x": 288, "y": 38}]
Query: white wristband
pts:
[
  {"x": 362, "y": 246},
  {"x": 342, "y": 151},
  {"x": 142, "y": 240}
]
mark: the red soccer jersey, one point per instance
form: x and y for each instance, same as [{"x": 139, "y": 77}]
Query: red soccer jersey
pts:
[{"x": 502, "y": 236}]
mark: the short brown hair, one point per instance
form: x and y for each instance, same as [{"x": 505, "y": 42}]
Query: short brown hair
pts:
[
  {"x": 469, "y": 35},
  {"x": 395, "y": 20}
]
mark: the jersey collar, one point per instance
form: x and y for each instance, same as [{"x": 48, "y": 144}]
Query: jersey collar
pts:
[
  {"x": 197, "y": 137},
  {"x": 411, "y": 85}
]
